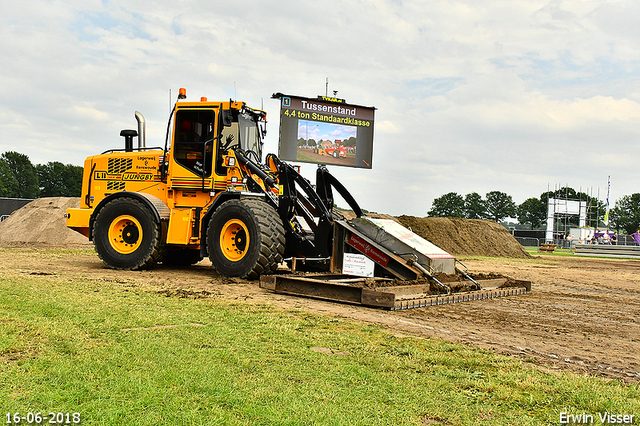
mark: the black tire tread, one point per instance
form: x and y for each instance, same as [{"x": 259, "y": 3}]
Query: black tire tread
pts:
[
  {"x": 272, "y": 237},
  {"x": 146, "y": 261}
]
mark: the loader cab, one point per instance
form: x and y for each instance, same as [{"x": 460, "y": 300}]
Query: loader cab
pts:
[{"x": 203, "y": 133}]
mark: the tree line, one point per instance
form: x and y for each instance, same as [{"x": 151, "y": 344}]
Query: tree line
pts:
[
  {"x": 19, "y": 178},
  {"x": 532, "y": 212}
]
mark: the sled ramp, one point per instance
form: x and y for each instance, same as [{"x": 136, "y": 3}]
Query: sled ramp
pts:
[{"x": 405, "y": 243}]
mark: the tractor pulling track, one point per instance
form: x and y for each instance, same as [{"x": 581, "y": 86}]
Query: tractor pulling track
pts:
[{"x": 581, "y": 315}]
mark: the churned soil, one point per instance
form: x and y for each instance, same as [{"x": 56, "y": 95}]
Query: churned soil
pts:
[
  {"x": 460, "y": 237},
  {"x": 581, "y": 315}
]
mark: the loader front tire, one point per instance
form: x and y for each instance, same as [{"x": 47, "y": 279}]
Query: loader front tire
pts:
[
  {"x": 126, "y": 236},
  {"x": 245, "y": 238}
]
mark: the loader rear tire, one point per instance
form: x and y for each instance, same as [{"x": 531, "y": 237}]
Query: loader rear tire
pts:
[
  {"x": 245, "y": 238},
  {"x": 126, "y": 236}
]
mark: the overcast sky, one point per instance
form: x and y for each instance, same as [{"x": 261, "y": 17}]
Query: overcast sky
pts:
[{"x": 471, "y": 96}]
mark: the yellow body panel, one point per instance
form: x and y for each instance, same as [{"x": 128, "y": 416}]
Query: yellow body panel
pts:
[
  {"x": 78, "y": 220},
  {"x": 123, "y": 171},
  {"x": 180, "y": 226},
  {"x": 140, "y": 172}
]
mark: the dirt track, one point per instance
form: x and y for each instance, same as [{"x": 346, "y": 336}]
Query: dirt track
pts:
[{"x": 582, "y": 315}]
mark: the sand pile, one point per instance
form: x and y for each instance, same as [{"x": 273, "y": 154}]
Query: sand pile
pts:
[
  {"x": 41, "y": 224},
  {"x": 460, "y": 237},
  {"x": 466, "y": 237}
]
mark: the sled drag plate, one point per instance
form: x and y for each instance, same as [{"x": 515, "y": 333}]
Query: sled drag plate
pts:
[
  {"x": 484, "y": 294},
  {"x": 345, "y": 289}
]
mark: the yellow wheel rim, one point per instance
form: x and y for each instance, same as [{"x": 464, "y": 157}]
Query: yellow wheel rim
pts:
[
  {"x": 234, "y": 240},
  {"x": 125, "y": 234}
]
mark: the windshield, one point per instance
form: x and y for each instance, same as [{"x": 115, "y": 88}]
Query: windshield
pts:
[{"x": 249, "y": 134}]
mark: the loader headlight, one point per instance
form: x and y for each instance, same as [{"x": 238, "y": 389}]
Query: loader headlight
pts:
[
  {"x": 230, "y": 162},
  {"x": 234, "y": 179}
]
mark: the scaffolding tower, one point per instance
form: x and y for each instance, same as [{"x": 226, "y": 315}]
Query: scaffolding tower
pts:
[{"x": 560, "y": 209}]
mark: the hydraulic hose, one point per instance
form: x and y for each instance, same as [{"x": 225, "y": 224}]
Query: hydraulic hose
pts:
[{"x": 268, "y": 180}]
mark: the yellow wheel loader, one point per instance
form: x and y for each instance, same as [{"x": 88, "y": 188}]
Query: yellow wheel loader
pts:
[{"x": 205, "y": 193}]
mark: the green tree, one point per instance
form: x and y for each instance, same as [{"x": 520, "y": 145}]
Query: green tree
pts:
[
  {"x": 474, "y": 206},
  {"x": 8, "y": 182},
  {"x": 24, "y": 173},
  {"x": 626, "y": 214},
  {"x": 351, "y": 142},
  {"x": 305, "y": 142},
  {"x": 532, "y": 211},
  {"x": 499, "y": 205},
  {"x": 566, "y": 193},
  {"x": 59, "y": 180},
  {"x": 448, "y": 205}
]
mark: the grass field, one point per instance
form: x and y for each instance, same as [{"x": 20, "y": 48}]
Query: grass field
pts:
[
  {"x": 558, "y": 252},
  {"x": 123, "y": 354}
]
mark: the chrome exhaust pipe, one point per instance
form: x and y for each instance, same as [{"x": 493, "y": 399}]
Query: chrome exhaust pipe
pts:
[{"x": 142, "y": 127}]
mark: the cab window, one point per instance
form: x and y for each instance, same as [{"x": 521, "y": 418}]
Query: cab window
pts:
[{"x": 193, "y": 140}]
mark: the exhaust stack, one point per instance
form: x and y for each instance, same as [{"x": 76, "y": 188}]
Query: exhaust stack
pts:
[{"x": 142, "y": 127}]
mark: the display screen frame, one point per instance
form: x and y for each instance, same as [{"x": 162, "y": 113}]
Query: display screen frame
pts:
[{"x": 325, "y": 131}]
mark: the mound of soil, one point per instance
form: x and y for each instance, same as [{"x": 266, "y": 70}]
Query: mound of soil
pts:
[
  {"x": 41, "y": 224},
  {"x": 466, "y": 237},
  {"x": 460, "y": 237}
]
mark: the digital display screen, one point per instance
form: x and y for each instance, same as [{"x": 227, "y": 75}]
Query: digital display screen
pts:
[{"x": 325, "y": 131}]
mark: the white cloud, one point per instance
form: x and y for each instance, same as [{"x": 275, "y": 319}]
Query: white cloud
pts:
[{"x": 471, "y": 97}]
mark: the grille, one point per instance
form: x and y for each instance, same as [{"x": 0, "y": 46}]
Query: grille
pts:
[
  {"x": 115, "y": 185},
  {"x": 119, "y": 165}
]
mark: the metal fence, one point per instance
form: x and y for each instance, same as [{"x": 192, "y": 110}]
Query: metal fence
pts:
[
  {"x": 623, "y": 240},
  {"x": 528, "y": 241}
]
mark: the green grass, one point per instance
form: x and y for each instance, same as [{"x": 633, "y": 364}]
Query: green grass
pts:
[
  {"x": 564, "y": 252},
  {"x": 558, "y": 252},
  {"x": 122, "y": 354}
]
